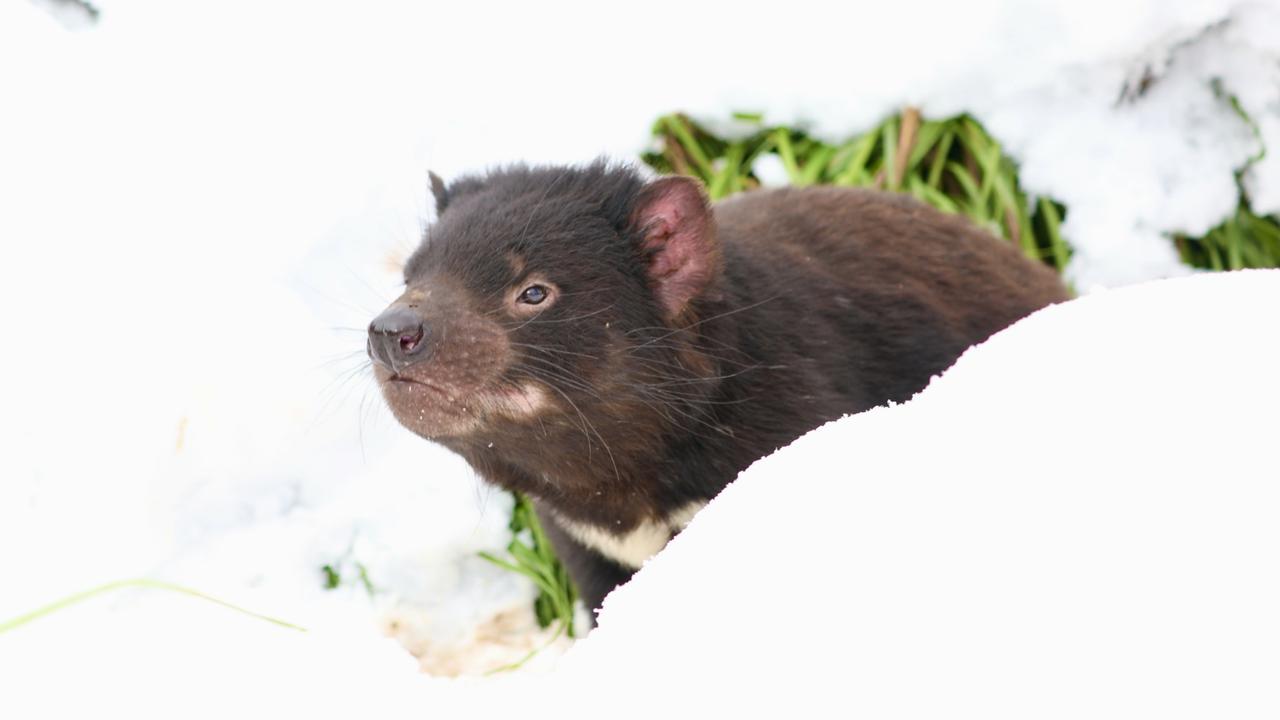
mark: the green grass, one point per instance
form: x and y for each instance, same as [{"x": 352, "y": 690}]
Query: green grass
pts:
[
  {"x": 952, "y": 164},
  {"x": 1244, "y": 240},
  {"x": 530, "y": 554}
]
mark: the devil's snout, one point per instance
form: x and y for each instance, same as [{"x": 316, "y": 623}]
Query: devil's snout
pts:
[{"x": 398, "y": 338}]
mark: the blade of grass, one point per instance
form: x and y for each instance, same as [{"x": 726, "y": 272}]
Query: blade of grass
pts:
[
  {"x": 856, "y": 172},
  {"x": 510, "y": 566},
  {"x": 989, "y": 161},
  {"x": 926, "y": 137},
  {"x": 940, "y": 155},
  {"x": 1234, "y": 241},
  {"x": 924, "y": 192},
  {"x": 908, "y": 126},
  {"x": 678, "y": 127},
  {"x": 782, "y": 141},
  {"x": 815, "y": 166},
  {"x": 728, "y": 179},
  {"x": 1013, "y": 214},
  {"x": 529, "y": 656},
  {"x": 1052, "y": 224},
  {"x": 138, "y": 583},
  {"x": 889, "y": 138},
  {"x": 1213, "y": 240},
  {"x": 961, "y": 175}
]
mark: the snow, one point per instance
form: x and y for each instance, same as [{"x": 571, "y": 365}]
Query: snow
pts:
[
  {"x": 203, "y": 205},
  {"x": 1003, "y": 545}
]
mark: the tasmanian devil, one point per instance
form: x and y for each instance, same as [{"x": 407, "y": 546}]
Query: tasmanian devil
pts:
[{"x": 620, "y": 349}]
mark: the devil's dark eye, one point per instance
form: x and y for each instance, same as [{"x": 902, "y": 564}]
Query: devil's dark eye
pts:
[{"x": 533, "y": 295}]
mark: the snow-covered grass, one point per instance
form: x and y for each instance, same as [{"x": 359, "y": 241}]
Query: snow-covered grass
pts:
[
  {"x": 202, "y": 205},
  {"x": 1243, "y": 240}
]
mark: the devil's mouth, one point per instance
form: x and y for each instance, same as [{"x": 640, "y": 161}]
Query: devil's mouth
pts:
[
  {"x": 388, "y": 379},
  {"x": 413, "y": 381},
  {"x": 387, "y": 376},
  {"x": 439, "y": 391},
  {"x": 410, "y": 397}
]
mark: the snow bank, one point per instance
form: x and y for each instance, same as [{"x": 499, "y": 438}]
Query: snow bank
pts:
[
  {"x": 1102, "y": 545},
  {"x": 1076, "y": 520}
]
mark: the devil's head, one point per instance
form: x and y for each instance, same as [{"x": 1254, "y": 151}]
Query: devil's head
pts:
[{"x": 555, "y": 299}]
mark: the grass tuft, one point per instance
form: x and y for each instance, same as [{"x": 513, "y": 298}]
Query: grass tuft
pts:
[
  {"x": 1244, "y": 240},
  {"x": 530, "y": 554}
]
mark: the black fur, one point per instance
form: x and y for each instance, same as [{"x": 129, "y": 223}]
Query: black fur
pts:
[{"x": 825, "y": 302}]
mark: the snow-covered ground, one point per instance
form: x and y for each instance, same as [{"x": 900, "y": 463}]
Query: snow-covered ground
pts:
[
  {"x": 201, "y": 206},
  {"x": 1002, "y": 546}
]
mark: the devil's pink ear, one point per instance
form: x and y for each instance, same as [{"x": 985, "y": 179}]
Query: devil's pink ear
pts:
[{"x": 678, "y": 241}]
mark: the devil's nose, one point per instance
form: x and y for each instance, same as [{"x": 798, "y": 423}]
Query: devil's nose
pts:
[{"x": 398, "y": 337}]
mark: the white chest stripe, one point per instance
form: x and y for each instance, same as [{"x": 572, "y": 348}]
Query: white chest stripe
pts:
[{"x": 640, "y": 543}]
